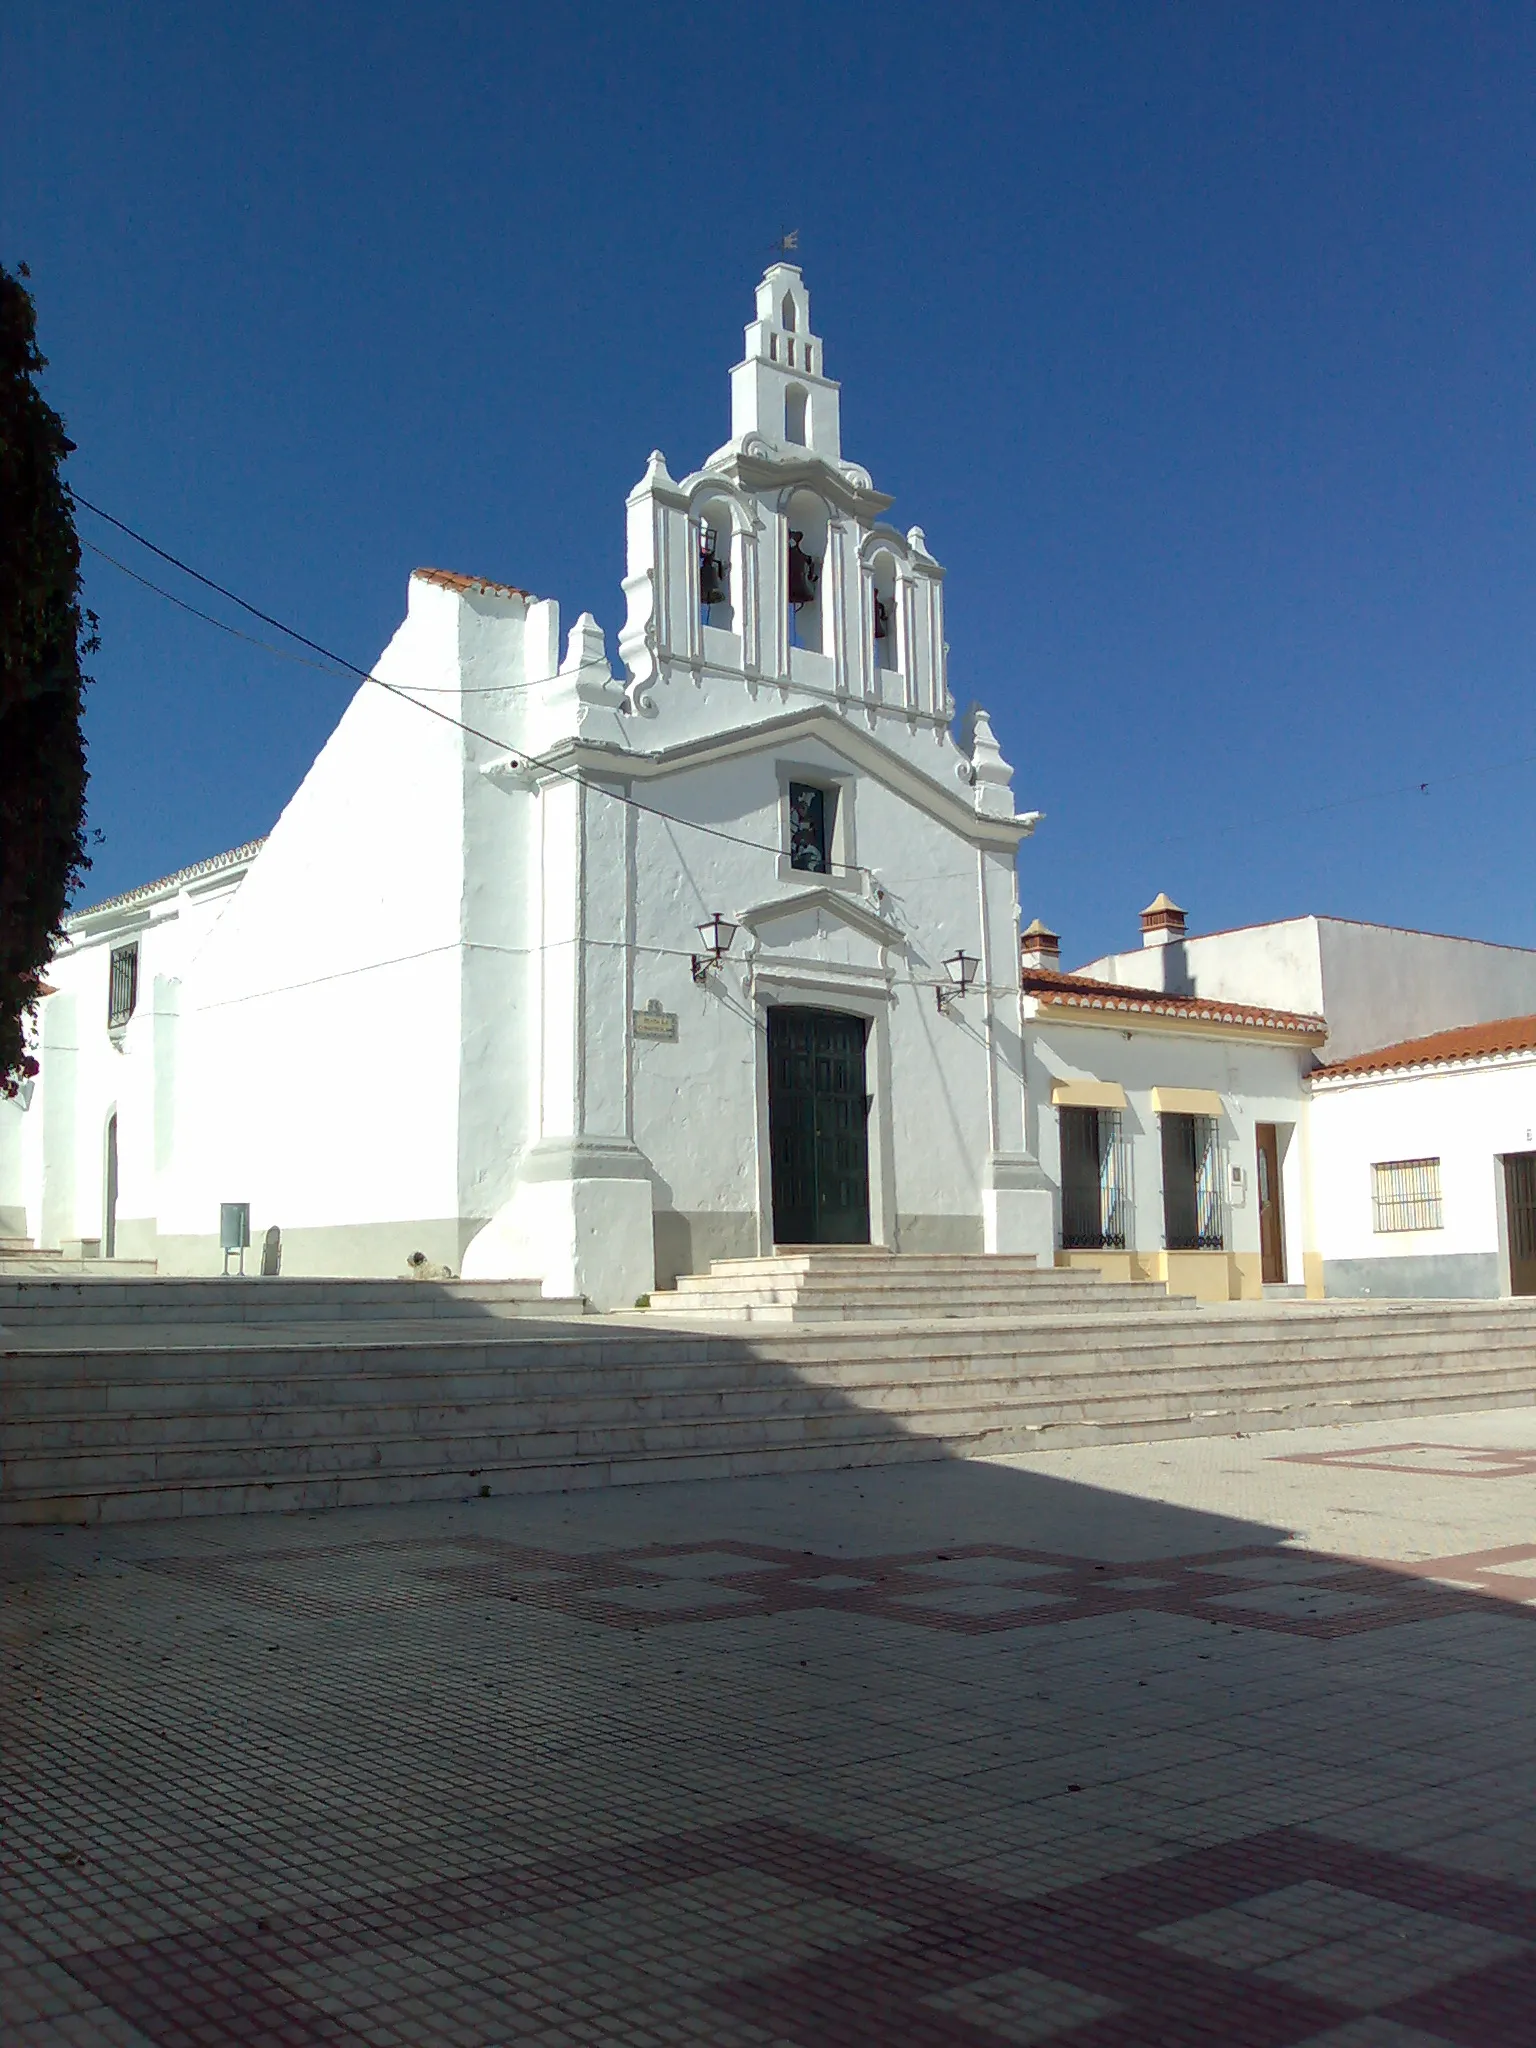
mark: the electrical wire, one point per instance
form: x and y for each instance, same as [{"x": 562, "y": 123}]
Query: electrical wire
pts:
[
  {"x": 324, "y": 668},
  {"x": 517, "y": 754},
  {"x": 282, "y": 653}
]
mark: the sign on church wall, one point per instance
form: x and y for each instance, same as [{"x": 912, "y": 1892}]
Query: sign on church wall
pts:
[{"x": 655, "y": 1022}]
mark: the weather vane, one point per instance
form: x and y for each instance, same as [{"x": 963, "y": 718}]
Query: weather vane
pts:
[{"x": 788, "y": 242}]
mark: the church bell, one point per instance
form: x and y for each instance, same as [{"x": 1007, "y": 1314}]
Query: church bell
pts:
[
  {"x": 804, "y": 572},
  {"x": 714, "y": 574},
  {"x": 882, "y": 618}
]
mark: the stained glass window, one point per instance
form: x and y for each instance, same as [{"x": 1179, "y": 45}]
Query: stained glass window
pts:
[{"x": 808, "y": 828}]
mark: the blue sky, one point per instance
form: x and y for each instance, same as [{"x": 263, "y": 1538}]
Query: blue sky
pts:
[{"x": 1197, "y": 338}]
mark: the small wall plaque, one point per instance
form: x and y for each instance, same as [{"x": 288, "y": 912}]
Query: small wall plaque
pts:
[{"x": 655, "y": 1022}]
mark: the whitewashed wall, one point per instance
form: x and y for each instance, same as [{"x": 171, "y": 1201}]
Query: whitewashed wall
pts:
[
  {"x": 1467, "y": 1118},
  {"x": 700, "y": 1105},
  {"x": 1257, "y": 1083},
  {"x": 59, "y": 1140},
  {"x": 1375, "y": 984},
  {"x": 324, "y": 1024}
]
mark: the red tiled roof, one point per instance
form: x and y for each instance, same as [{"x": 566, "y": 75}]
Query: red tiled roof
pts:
[
  {"x": 1466, "y": 1042},
  {"x": 1078, "y": 992},
  {"x": 448, "y": 579}
]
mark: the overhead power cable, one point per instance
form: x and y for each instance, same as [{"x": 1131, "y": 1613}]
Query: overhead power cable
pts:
[{"x": 339, "y": 662}]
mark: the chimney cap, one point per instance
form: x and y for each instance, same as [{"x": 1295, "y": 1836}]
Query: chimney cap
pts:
[
  {"x": 1162, "y": 920},
  {"x": 1041, "y": 933}
]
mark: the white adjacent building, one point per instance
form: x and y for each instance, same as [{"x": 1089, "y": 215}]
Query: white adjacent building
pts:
[
  {"x": 1424, "y": 1164},
  {"x": 1316, "y": 1105},
  {"x": 1172, "y": 1124}
]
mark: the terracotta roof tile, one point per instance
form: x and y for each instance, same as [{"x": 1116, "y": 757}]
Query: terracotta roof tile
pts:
[
  {"x": 1079, "y": 992},
  {"x": 448, "y": 579},
  {"x": 1465, "y": 1042},
  {"x": 236, "y": 856}
]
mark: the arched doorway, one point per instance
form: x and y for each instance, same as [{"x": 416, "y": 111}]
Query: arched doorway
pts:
[{"x": 818, "y": 1127}]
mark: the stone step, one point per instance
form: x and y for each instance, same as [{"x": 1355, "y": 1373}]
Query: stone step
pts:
[
  {"x": 428, "y": 1480},
  {"x": 865, "y": 1268},
  {"x": 862, "y": 1282},
  {"x": 58, "y": 1410},
  {"x": 297, "y": 1413},
  {"x": 109, "y": 1429},
  {"x": 898, "y": 1279},
  {"x": 163, "y": 1301},
  {"x": 904, "y": 1304},
  {"x": 46, "y": 1265},
  {"x": 849, "y": 1254},
  {"x": 35, "y": 1356}
]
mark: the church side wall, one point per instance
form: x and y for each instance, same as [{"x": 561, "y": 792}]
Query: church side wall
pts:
[
  {"x": 496, "y": 1109},
  {"x": 321, "y": 1023}
]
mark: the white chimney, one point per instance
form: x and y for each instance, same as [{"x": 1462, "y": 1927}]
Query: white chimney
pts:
[{"x": 1162, "y": 922}]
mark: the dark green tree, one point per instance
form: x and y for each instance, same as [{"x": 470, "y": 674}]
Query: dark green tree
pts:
[{"x": 44, "y": 635}]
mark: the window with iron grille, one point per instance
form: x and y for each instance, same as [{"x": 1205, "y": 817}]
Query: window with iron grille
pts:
[
  {"x": 1405, "y": 1195},
  {"x": 1192, "y": 1208},
  {"x": 123, "y": 986},
  {"x": 1094, "y": 1180}
]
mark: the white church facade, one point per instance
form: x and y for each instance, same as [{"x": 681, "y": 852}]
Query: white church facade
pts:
[
  {"x": 593, "y": 972},
  {"x": 459, "y": 1001}
]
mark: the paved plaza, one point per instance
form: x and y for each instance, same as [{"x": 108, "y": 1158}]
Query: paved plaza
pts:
[{"x": 1226, "y": 1742}]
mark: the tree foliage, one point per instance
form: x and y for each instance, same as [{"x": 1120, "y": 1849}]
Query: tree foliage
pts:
[{"x": 44, "y": 635}]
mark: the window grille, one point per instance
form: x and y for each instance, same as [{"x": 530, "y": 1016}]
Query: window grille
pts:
[
  {"x": 1192, "y": 1203},
  {"x": 123, "y": 986},
  {"x": 1405, "y": 1195},
  {"x": 808, "y": 808},
  {"x": 1095, "y": 1181}
]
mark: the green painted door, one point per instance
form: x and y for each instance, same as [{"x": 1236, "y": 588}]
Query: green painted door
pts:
[{"x": 818, "y": 1127}]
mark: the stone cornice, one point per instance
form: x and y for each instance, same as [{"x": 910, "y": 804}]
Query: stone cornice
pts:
[{"x": 829, "y": 726}]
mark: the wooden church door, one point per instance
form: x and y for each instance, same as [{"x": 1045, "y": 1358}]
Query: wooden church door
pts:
[{"x": 818, "y": 1127}]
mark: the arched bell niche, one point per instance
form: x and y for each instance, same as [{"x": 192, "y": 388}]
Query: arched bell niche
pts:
[
  {"x": 885, "y": 612},
  {"x": 719, "y": 565},
  {"x": 805, "y": 518}
]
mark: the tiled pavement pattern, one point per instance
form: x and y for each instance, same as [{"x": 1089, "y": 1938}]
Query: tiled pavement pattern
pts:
[
  {"x": 1448, "y": 1461},
  {"x": 1105, "y": 1749}
]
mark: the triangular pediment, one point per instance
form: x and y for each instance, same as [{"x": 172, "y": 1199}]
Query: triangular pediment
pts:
[{"x": 831, "y": 908}]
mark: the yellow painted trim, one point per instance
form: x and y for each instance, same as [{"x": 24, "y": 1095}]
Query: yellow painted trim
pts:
[
  {"x": 1312, "y": 1273},
  {"x": 1211, "y": 1276},
  {"x": 1087, "y": 1095},
  {"x": 1119, "y": 1266},
  {"x": 1186, "y": 1102},
  {"x": 1208, "y": 1276}
]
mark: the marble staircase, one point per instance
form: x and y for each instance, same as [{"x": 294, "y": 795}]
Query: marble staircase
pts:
[
  {"x": 144, "y": 1419},
  {"x": 146, "y": 1306},
  {"x": 20, "y": 1258},
  {"x": 862, "y": 1284}
]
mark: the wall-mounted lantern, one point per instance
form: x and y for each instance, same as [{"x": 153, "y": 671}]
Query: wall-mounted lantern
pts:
[
  {"x": 717, "y": 933},
  {"x": 961, "y": 969}
]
